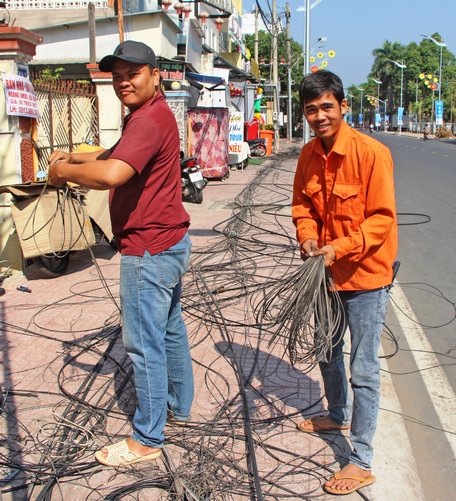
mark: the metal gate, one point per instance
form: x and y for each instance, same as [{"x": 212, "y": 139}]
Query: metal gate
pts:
[{"x": 68, "y": 116}]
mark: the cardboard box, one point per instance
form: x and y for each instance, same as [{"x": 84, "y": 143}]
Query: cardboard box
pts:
[
  {"x": 47, "y": 221},
  {"x": 97, "y": 205}
]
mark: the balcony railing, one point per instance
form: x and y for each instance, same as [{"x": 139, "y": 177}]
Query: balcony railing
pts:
[
  {"x": 54, "y": 4},
  {"x": 225, "y": 5}
]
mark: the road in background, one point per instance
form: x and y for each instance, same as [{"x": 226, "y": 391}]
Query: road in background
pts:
[{"x": 424, "y": 370}]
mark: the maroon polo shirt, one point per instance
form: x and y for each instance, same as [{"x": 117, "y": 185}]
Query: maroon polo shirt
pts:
[{"x": 147, "y": 213}]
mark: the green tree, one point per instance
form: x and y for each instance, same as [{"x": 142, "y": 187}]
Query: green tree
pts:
[
  {"x": 422, "y": 58},
  {"x": 265, "y": 62},
  {"x": 265, "y": 56},
  {"x": 387, "y": 72}
]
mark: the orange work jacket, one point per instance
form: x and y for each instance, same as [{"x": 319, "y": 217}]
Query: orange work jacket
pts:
[{"x": 346, "y": 199}]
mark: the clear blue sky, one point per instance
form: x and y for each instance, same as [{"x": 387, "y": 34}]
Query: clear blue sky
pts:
[{"x": 355, "y": 27}]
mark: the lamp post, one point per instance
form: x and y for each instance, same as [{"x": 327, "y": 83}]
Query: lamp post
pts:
[
  {"x": 307, "y": 8},
  {"x": 305, "y": 125},
  {"x": 384, "y": 104},
  {"x": 378, "y": 82},
  {"x": 361, "y": 106},
  {"x": 440, "y": 44},
  {"x": 401, "y": 66}
]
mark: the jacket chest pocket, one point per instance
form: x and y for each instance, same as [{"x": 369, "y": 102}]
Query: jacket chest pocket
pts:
[
  {"x": 346, "y": 200},
  {"x": 315, "y": 192}
]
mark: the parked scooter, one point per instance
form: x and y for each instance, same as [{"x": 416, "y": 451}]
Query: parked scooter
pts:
[
  {"x": 257, "y": 147},
  {"x": 193, "y": 182},
  {"x": 239, "y": 159}
]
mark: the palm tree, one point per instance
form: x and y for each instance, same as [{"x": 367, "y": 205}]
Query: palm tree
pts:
[{"x": 387, "y": 72}]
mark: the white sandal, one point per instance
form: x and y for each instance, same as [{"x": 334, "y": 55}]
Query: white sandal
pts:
[{"x": 120, "y": 455}]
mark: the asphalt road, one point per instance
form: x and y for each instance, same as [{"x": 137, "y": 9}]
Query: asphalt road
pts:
[{"x": 422, "y": 318}]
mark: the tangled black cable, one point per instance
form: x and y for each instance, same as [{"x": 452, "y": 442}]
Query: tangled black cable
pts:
[
  {"x": 245, "y": 289},
  {"x": 305, "y": 311},
  {"x": 57, "y": 230}
]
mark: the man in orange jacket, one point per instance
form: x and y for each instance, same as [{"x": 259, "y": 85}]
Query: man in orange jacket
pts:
[{"x": 344, "y": 209}]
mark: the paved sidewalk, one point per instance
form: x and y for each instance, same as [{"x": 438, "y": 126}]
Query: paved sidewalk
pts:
[{"x": 68, "y": 388}]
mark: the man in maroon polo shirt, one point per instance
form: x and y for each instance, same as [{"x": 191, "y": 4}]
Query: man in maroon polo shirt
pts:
[{"x": 142, "y": 170}]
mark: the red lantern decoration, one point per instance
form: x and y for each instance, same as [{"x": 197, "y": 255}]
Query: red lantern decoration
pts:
[
  {"x": 203, "y": 16},
  {"x": 219, "y": 22},
  {"x": 178, "y": 7},
  {"x": 186, "y": 9},
  {"x": 314, "y": 69},
  {"x": 166, "y": 4}
]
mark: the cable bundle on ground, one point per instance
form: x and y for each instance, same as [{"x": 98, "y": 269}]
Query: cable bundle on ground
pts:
[{"x": 305, "y": 311}]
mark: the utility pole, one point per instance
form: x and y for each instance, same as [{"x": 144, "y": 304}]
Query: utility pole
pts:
[
  {"x": 92, "y": 34},
  {"x": 120, "y": 20},
  {"x": 275, "y": 61},
  {"x": 120, "y": 25},
  {"x": 305, "y": 125},
  {"x": 275, "y": 77},
  {"x": 255, "y": 42},
  {"x": 289, "y": 113}
]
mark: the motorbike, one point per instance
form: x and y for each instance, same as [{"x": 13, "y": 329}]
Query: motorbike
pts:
[
  {"x": 239, "y": 159},
  {"x": 193, "y": 182},
  {"x": 257, "y": 147}
]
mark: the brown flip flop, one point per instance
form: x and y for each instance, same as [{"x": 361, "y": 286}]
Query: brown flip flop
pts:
[
  {"x": 363, "y": 482},
  {"x": 317, "y": 425}
]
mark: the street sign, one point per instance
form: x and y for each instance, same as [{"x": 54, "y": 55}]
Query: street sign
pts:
[
  {"x": 438, "y": 112},
  {"x": 400, "y": 114}
]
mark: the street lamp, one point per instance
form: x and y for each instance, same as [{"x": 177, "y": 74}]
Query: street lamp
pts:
[
  {"x": 378, "y": 85},
  {"x": 440, "y": 44},
  {"x": 401, "y": 66},
  {"x": 305, "y": 125},
  {"x": 378, "y": 82},
  {"x": 361, "y": 106},
  {"x": 307, "y": 8},
  {"x": 384, "y": 104}
]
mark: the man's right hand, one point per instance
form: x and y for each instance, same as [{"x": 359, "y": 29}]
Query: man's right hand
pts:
[
  {"x": 58, "y": 156},
  {"x": 308, "y": 247}
]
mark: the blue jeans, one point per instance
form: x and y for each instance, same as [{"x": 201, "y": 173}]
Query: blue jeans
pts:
[
  {"x": 365, "y": 315},
  {"x": 155, "y": 338}
]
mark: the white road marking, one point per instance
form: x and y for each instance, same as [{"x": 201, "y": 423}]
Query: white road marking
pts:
[
  {"x": 436, "y": 383},
  {"x": 394, "y": 465}
]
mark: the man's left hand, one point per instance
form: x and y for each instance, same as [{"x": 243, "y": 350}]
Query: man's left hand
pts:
[
  {"x": 54, "y": 175},
  {"x": 327, "y": 251}
]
